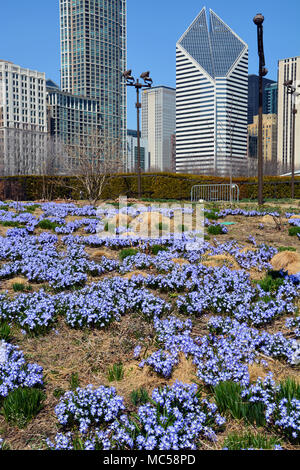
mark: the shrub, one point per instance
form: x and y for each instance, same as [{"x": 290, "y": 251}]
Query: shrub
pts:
[
  {"x": 249, "y": 440},
  {"x": 22, "y": 405}
]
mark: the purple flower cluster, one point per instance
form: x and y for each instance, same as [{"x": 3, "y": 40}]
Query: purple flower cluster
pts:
[
  {"x": 282, "y": 413},
  {"x": 89, "y": 407},
  {"x": 15, "y": 372}
]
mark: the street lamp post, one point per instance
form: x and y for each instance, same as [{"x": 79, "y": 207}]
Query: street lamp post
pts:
[
  {"x": 130, "y": 81},
  {"x": 258, "y": 20},
  {"x": 291, "y": 90}
]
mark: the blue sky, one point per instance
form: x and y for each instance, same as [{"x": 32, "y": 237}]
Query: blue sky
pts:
[{"x": 29, "y": 34}]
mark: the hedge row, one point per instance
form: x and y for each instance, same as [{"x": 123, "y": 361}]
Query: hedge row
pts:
[{"x": 155, "y": 186}]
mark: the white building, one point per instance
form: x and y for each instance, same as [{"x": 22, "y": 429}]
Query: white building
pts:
[
  {"x": 158, "y": 125},
  {"x": 288, "y": 69},
  {"x": 132, "y": 152},
  {"x": 211, "y": 98},
  {"x": 23, "y": 120}
]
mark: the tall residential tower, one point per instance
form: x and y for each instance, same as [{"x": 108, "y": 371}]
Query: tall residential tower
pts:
[
  {"x": 211, "y": 98},
  {"x": 93, "y": 58}
]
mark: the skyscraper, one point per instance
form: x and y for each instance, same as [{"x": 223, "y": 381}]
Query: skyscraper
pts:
[
  {"x": 211, "y": 98},
  {"x": 253, "y": 90},
  {"x": 271, "y": 98},
  {"x": 158, "y": 125},
  {"x": 288, "y": 69},
  {"x": 93, "y": 57}
]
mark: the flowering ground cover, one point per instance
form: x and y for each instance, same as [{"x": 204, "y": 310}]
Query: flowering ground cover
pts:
[{"x": 131, "y": 340}]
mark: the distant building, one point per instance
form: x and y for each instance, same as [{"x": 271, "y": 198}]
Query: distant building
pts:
[
  {"x": 158, "y": 124},
  {"x": 270, "y": 97},
  {"x": 288, "y": 69},
  {"x": 211, "y": 98},
  {"x": 253, "y": 92},
  {"x": 269, "y": 137},
  {"x": 23, "y": 120},
  {"x": 72, "y": 120},
  {"x": 132, "y": 152}
]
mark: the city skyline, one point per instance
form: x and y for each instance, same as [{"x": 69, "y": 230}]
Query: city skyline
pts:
[{"x": 38, "y": 32}]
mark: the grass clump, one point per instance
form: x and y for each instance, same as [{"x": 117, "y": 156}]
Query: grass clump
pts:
[
  {"x": 215, "y": 229},
  {"x": 116, "y": 373},
  {"x": 74, "y": 381},
  {"x": 46, "y": 224},
  {"x": 20, "y": 287},
  {"x": 212, "y": 215},
  {"x": 22, "y": 405},
  {"x": 270, "y": 284},
  {"x": 155, "y": 249},
  {"x": 250, "y": 440},
  {"x": 126, "y": 252},
  {"x": 286, "y": 248},
  {"x": 139, "y": 396},
  {"x": 229, "y": 401},
  {"x": 5, "y": 332},
  {"x": 293, "y": 231}
]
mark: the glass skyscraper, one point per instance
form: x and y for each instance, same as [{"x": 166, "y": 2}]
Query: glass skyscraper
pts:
[
  {"x": 93, "y": 58},
  {"x": 211, "y": 98}
]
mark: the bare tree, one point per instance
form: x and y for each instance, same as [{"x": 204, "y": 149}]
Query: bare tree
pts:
[{"x": 93, "y": 161}]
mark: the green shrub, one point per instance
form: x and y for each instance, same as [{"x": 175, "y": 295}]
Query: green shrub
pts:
[
  {"x": 126, "y": 252},
  {"x": 250, "y": 440},
  {"x": 116, "y": 373},
  {"x": 22, "y": 405},
  {"x": 139, "y": 396}
]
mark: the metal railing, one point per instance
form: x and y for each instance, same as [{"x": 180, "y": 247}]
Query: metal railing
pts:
[{"x": 215, "y": 192}]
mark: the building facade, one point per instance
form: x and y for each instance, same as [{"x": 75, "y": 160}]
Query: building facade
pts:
[
  {"x": 23, "y": 120},
  {"x": 158, "y": 125},
  {"x": 269, "y": 137},
  {"x": 132, "y": 152},
  {"x": 72, "y": 122},
  {"x": 271, "y": 99},
  {"x": 211, "y": 98},
  {"x": 253, "y": 92},
  {"x": 93, "y": 58},
  {"x": 288, "y": 69}
]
